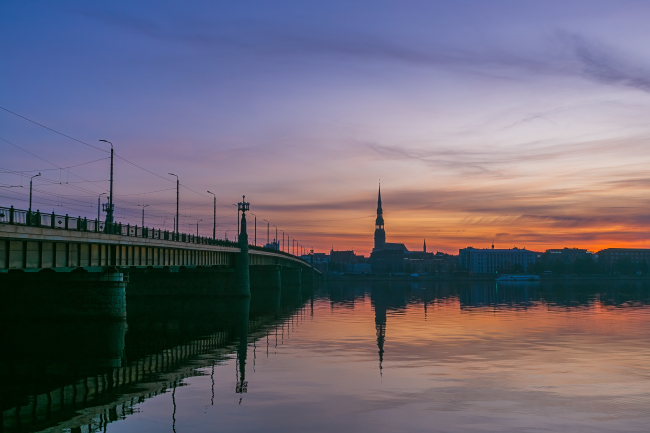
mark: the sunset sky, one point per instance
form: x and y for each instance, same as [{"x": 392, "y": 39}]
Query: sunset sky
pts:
[{"x": 523, "y": 123}]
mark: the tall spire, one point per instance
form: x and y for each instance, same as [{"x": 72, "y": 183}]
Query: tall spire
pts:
[
  {"x": 424, "y": 249},
  {"x": 380, "y": 234},
  {"x": 379, "y": 211}
]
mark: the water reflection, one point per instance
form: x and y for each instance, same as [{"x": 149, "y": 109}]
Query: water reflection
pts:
[
  {"x": 74, "y": 374},
  {"x": 398, "y": 352}
]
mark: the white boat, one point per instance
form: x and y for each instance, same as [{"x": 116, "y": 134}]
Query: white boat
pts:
[{"x": 525, "y": 277}]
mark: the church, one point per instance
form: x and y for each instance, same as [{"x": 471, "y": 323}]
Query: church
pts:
[
  {"x": 380, "y": 233},
  {"x": 395, "y": 258},
  {"x": 388, "y": 257}
]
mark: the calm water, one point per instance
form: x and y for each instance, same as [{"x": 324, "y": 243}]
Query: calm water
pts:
[{"x": 350, "y": 357}]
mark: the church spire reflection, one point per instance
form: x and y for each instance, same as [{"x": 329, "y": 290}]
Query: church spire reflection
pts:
[{"x": 379, "y": 301}]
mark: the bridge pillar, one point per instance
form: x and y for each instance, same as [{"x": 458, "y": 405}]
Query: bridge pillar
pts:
[{"x": 67, "y": 295}]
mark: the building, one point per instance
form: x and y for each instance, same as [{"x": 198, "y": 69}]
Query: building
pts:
[
  {"x": 618, "y": 259},
  {"x": 386, "y": 258},
  {"x": 491, "y": 260},
  {"x": 348, "y": 262},
  {"x": 380, "y": 233},
  {"x": 566, "y": 255}
]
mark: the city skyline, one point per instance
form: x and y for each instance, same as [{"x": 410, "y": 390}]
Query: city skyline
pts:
[{"x": 518, "y": 125}]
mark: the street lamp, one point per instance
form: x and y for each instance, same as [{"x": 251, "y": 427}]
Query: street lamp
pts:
[
  {"x": 214, "y": 224},
  {"x": 109, "y": 209},
  {"x": 282, "y": 240},
  {"x": 275, "y": 241},
  {"x": 255, "y": 227},
  {"x": 237, "y": 222},
  {"x": 30, "y": 191},
  {"x": 98, "y": 201},
  {"x": 197, "y": 227},
  {"x": 143, "y": 206},
  {"x": 268, "y": 239},
  {"x": 177, "y": 194}
]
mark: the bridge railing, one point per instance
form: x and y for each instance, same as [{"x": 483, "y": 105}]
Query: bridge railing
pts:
[{"x": 11, "y": 215}]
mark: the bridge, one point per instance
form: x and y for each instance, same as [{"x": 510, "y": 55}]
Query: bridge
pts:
[{"x": 60, "y": 265}]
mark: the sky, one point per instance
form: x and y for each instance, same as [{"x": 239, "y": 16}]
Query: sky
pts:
[{"x": 518, "y": 123}]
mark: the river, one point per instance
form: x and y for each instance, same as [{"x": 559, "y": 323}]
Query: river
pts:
[{"x": 345, "y": 357}]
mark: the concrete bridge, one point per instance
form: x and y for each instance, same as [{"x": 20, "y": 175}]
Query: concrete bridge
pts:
[{"x": 60, "y": 265}]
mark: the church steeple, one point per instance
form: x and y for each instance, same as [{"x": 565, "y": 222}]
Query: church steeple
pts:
[
  {"x": 380, "y": 234},
  {"x": 424, "y": 248}
]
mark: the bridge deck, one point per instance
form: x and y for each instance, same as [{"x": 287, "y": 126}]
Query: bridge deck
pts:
[{"x": 34, "y": 248}]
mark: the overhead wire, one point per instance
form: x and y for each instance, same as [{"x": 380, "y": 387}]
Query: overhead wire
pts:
[
  {"x": 53, "y": 130},
  {"x": 97, "y": 148}
]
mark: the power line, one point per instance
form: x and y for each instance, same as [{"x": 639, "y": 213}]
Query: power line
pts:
[
  {"x": 150, "y": 192},
  {"x": 43, "y": 159},
  {"x": 94, "y": 147},
  {"x": 53, "y": 130},
  {"x": 62, "y": 168}
]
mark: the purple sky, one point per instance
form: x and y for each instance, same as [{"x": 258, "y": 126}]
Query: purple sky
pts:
[{"x": 520, "y": 122}]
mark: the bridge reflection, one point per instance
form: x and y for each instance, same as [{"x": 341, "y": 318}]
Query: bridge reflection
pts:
[{"x": 81, "y": 376}]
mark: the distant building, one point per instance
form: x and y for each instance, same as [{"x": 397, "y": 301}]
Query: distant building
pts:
[
  {"x": 348, "y": 262},
  {"x": 566, "y": 255},
  {"x": 490, "y": 260},
  {"x": 608, "y": 257}
]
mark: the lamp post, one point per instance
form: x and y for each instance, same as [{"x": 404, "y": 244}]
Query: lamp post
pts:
[
  {"x": 30, "y": 191},
  {"x": 98, "y": 202},
  {"x": 143, "y": 206},
  {"x": 214, "y": 224},
  {"x": 109, "y": 208},
  {"x": 255, "y": 228},
  {"x": 268, "y": 239},
  {"x": 237, "y": 222},
  {"x": 275, "y": 241},
  {"x": 197, "y": 227},
  {"x": 282, "y": 240},
  {"x": 177, "y": 195}
]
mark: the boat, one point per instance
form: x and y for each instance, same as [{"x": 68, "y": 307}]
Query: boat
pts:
[{"x": 516, "y": 278}]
